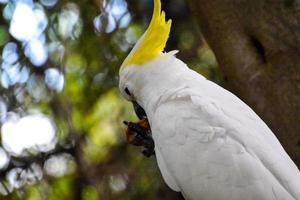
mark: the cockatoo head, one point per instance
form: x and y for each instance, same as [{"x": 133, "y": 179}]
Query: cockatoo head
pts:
[{"x": 143, "y": 56}]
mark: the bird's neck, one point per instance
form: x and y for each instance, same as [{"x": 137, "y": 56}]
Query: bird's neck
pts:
[{"x": 161, "y": 79}]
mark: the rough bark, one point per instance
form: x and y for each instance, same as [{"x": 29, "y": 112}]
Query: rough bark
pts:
[{"x": 257, "y": 45}]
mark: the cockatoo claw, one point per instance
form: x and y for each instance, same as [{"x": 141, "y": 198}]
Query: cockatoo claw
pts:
[{"x": 139, "y": 134}]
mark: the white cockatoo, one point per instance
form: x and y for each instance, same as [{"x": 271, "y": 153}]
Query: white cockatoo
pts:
[{"x": 209, "y": 144}]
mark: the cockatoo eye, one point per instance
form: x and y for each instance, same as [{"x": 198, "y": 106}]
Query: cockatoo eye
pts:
[{"x": 127, "y": 91}]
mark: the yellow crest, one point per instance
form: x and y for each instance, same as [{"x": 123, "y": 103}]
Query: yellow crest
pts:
[{"x": 153, "y": 41}]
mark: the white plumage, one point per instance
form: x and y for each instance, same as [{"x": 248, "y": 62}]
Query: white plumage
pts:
[{"x": 209, "y": 144}]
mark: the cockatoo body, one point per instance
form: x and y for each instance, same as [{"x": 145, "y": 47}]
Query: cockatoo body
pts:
[{"x": 208, "y": 143}]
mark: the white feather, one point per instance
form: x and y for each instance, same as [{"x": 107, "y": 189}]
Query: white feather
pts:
[{"x": 209, "y": 144}]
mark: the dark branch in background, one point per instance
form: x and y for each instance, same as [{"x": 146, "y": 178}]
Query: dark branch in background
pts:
[
  {"x": 71, "y": 146},
  {"x": 25, "y": 162},
  {"x": 257, "y": 48},
  {"x": 63, "y": 110}
]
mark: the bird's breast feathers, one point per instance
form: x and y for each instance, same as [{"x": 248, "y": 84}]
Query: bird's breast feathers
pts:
[{"x": 210, "y": 143}]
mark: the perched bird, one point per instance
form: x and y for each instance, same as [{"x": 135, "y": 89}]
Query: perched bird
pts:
[{"x": 208, "y": 143}]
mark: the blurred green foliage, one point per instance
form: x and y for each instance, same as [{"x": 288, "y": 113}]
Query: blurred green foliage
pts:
[{"x": 75, "y": 86}]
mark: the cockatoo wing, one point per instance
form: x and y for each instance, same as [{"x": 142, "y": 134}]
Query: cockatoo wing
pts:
[{"x": 210, "y": 144}]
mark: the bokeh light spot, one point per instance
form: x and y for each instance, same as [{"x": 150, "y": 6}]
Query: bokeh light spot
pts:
[
  {"x": 14, "y": 178},
  {"x": 59, "y": 165},
  {"x": 118, "y": 183},
  {"x": 69, "y": 25},
  {"x": 26, "y": 22},
  {"x": 125, "y": 20},
  {"x": 48, "y": 3},
  {"x": 10, "y": 75},
  {"x": 3, "y": 1},
  {"x": 54, "y": 79},
  {"x": 37, "y": 52},
  {"x": 9, "y": 53},
  {"x": 3, "y": 111},
  {"x": 4, "y": 158},
  {"x": 34, "y": 131},
  {"x": 8, "y": 11}
]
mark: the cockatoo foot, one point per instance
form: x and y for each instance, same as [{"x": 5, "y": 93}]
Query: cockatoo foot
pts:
[{"x": 139, "y": 134}]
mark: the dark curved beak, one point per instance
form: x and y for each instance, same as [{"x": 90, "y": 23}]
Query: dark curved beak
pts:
[{"x": 139, "y": 111}]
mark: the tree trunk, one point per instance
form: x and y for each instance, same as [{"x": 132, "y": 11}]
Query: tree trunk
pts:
[{"x": 257, "y": 45}]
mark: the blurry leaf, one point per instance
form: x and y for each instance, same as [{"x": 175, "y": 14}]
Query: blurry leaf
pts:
[
  {"x": 207, "y": 56},
  {"x": 3, "y": 36},
  {"x": 69, "y": 22},
  {"x": 75, "y": 63},
  {"x": 187, "y": 40},
  {"x": 133, "y": 33},
  {"x": 33, "y": 193},
  {"x": 61, "y": 189},
  {"x": 89, "y": 193},
  {"x": 103, "y": 128}
]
